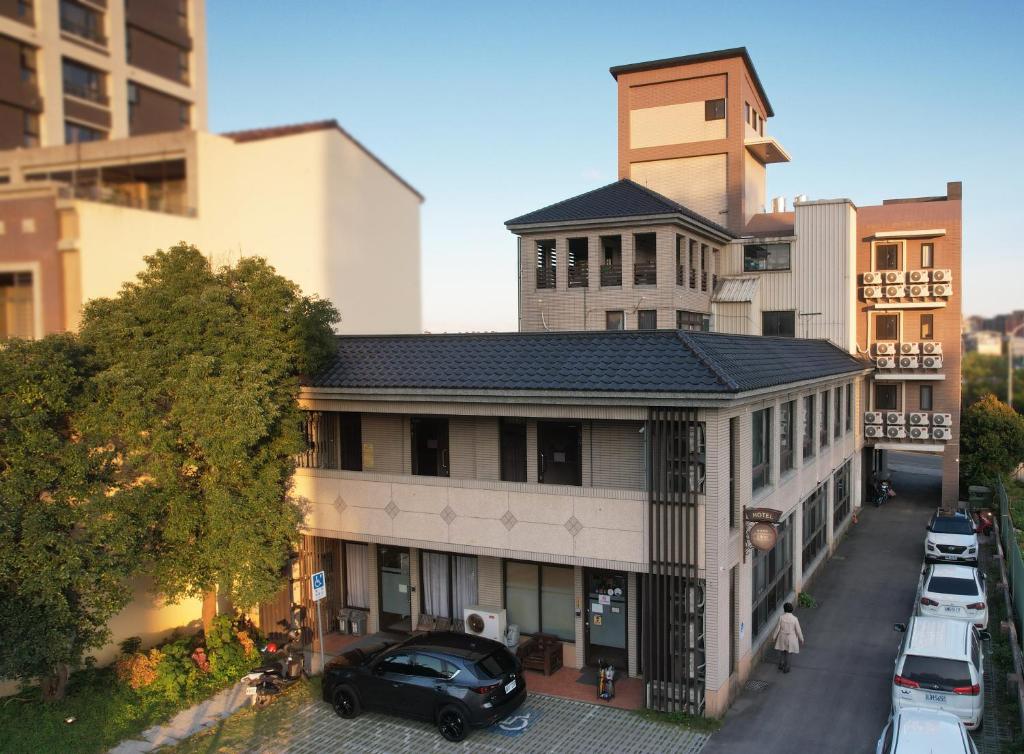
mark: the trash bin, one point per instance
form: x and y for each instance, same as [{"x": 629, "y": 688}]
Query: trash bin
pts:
[
  {"x": 343, "y": 621},
  {"x": 357, "y": 621}
]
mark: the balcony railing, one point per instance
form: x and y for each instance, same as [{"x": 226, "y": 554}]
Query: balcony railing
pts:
[
  {"x": 86, "y": 92},
  {"x": 680, "y": 276},
  {"x": 703, "y": 280},
  {"x": 84, "y": 31},
  {"x": 693, "y": 278},
  {"x": 579, "y": 276},
  {"x": 645, "y": 273},
  {"x": 611, "y": 275},
  {"x": 545, "y": 277},
  {"x": 170, "y": 198}
]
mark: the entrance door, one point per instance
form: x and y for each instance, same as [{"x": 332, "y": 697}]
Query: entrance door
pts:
[
  {"x": 430, "y": 446},
  {"x": 395, "y": 603},
  {"x": 558, "y": 451},
  {"x": 606, "y": 618}
]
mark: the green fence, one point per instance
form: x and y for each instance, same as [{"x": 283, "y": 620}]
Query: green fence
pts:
[{"x": 1014, "y": 561}]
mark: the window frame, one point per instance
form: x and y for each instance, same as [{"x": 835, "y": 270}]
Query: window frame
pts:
[
  {"x": 807, "y": 428},
  {"x": 504, "y": 473},
  {"x": 837, "y": 407},
  {"x": 643, "y": 314},
  {"x": 814, "y": 532},
  {"x": 715, "y": 109},
  {"x": 451, "y": 580},
  {"x": 734, "y": 471},
  {"x": 779, "y": 314},
  {"x": 888, "y": 246},
  {"x": 787, "y": 446},
  {"x": 930, "y": 392},
  {"x": 881, "y": 387},
  {"x": 539, "y": 567},
  {"x": 767, "y": 248},
  {"x": 622, "y": 319},
  {"x": 929, "y": 320},
  {"x": 825, "y": 428},
  {"x": 928, "y": 255},
  {"x": 841, "y": 497},
  {"x": 777, "y": 564},
  {"x": 761, "y": 473},
  {"x": 849, "y": 406},
  {"x": 886, "y": 318},
  {"x": 546, "y": 263}
]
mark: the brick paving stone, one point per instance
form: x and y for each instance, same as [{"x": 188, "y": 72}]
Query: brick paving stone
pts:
[{"x": 562, "y": 725}]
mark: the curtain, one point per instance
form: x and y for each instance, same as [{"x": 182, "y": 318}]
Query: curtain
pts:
[
  {"x": 464, "y": 592},
  {"x": 357, "y": 575},
  {"x": 435, "y": 584}
]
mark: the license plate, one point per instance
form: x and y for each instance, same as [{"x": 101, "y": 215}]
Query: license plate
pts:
[
  {"x": 510, "y": 686},
  {"x": 952, "y": 609},
  {"x": 937, "y": 698}
]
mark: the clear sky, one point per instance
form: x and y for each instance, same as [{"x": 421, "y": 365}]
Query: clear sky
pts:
[{"x": 494, "y": 109}]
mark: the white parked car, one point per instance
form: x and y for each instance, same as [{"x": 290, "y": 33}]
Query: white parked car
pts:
[
  {"x": 939, "y": 666},
  {"x": 951, "y": 538},
  {"x": 953, "y": 591},
  {"x": 924, "y": 731}
]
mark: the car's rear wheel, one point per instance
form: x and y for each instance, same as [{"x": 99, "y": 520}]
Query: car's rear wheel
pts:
[
  {"x": 345, "y": 702},
  {"x": 452, "y": 723}
]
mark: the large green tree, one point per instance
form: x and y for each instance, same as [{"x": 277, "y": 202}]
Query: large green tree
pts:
[
  {"x": 991, "y": 441},
  {"x": 66, "y": 546},
  {"x": 197, "y": 375},
  {"x": 983, "y": 374}
]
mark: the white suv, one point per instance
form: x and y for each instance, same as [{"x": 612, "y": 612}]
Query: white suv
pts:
[
  {"x": 951, "y": 538},
  {"x": 939, "y": 666},
  {"x": 924, "y": 731},
  {"x": 953, "y": 591}
]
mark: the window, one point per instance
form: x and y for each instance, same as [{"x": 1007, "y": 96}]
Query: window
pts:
[
  {"x": 703, "y": 267},
  {"x": 333, "y": 441},
  {"x": 808, "y": 426},
  {"x": 184, "y": 114},
  {"x": 926, "y": 398},
  {"x": 927, "y": 255},
  {"x": 614, "y": 320},
  {"x": 357, "y": 575},
  {"x": 734, "y": 470},
  {"x": 183, "y": 14},
  {"x": 714, "y": 109},
  {"x": 512, "y": 438},
  {"x": 887, "y": 256},
  {"x": 692, "y": 321},
  {"x": 734, "y": 593},
  {"x": 814, "y": 530},
  {"x": 428, "y": 666},
  {"x": 841, "y": 496},
  {"x": 17, "y": 316},
  {"x": 823, "y": 434},
  {"x": 849, "y": 407},
  {"x": 430, "y": 446},
  {"x": 398, "y": 664},
  {"x": 183, "y": 73},
  {"x": 691, "y": 255},
  {"x": 927, "y": 326},
  {"x": 772, "y": 578},
  {"x": 779, "y": 324},
  {"x": 645, "y": 259},
  {"x": 84, "y": 82},
  {"x": 30, "y": 126},
  {"x": 839, "y": 412},
  {"x": 27, "y": 56},
  {"x": 886, "y": 397},
  {"x": 448, "y": 583},
  {"x": 81, "y": 21},
  {"x": 541, "y": 598},
  {"x": 647, "y": 319},
  {"x": 680, "y": 261},
  {"x": 746, "y": 112},
  {"x": 547, "y": 263},
  {"x": 611, "y": 261},
  {"x": 787, "y": 419},
  {"x": 761, "y": 456},
  {"x": 766, "y": 257},
  {"x": 75, "y": 133},
  {"x": 579, "y": 263},
  {"x": 887, "y": 327},
  {"x": 558, "y": 453}
]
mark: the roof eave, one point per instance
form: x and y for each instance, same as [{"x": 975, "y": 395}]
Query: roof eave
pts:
[{"x": 683, "y": 219}]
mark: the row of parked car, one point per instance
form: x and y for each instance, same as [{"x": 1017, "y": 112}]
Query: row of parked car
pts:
[{"x": 938, "y": 682}]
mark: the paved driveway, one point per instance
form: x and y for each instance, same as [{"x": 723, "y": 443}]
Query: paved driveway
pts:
[
  {"x": 542, "y": 724},
  {"x": 836, "y": 699}
]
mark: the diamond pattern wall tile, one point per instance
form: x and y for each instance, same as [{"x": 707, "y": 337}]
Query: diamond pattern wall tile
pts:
[
  {"x": 509, "y": 520},
  {"x": 573, "y": 526},
  {"x": 339, "y": 504},
  {"x": 448, "y": 515},
  {"x": 391, "y": 509}
]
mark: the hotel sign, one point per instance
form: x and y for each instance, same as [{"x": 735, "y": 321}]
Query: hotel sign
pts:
[{"x": 762, "y": 515}]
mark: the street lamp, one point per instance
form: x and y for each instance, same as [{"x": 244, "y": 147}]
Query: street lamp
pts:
[{"x": 1009, "y": 362}]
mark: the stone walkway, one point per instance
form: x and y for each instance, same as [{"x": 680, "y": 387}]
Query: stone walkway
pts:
[
  {"x": 187, "y": 722},
  {"x": 542, "y": 724}
]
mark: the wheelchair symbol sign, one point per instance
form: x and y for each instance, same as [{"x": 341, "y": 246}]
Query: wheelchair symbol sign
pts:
[
  {"x": 517, "y": 724},
  {"x": 319, "y": 586}
]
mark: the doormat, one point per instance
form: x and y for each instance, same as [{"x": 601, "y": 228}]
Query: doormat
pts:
[
  {"x": 756, "y": 685},
  {"x": 588, "y": 676}
]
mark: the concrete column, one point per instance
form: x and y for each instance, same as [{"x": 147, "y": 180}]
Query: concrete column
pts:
[
  {"x": 531, "y": 451},
  {"x": 373, "y": 623},
  {"x": 632, "y": 624},
  {"x": 415, "y": 597},
  {"x": 580, "y": 649},
  {"x": 797, "y": 526}
]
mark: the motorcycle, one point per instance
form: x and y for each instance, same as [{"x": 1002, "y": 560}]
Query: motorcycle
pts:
[
  {"x": 883, "y": 491},
  {"x": 283, "y": 665}
]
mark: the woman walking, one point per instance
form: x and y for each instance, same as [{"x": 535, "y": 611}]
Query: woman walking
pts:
[{"x": 788, "y": 636}]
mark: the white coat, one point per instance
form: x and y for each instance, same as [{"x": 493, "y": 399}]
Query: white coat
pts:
[{"x": 788, "y": 634}]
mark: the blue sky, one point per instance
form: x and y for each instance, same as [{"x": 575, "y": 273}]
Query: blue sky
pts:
[{"x": 495, "y": 109}]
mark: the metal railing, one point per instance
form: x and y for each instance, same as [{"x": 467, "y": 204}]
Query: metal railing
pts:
[
  {"x": 680, "y": 276},
  {"x": 171, "y": 201},
  {"x": 82, "y": 30},
  {"x": 611, "y": 275},
  {"x": 545, "y": 277},
  {"x": 579, "y": 276},
  {"x": 703, "y": 280},
  {"x": 645, "y": 273},
  {"x": 86, "y": 92},
  {"x": 1011, "y": 584}
]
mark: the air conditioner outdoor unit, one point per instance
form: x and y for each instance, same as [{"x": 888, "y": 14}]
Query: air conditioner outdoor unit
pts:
[
  {"x": 872, "y": 278},
  {"x": 488, "y": 622},
  {"x": 892, "y": 276},
  {"x": 907, "y": 348},
  {"x": 920, "y": 419},
  {"x": 920, "y": 291},
  {"x": 874, "y": 430},
  {"x": 908, "y": 362},
  {"x": 932, "y": 362},
  {"x": 872, "y": 291},
  {"x": 919, "y": 433},
  {"x": 896, "y": 433},
  {"x": 942, "y": 276},
  {"x": 872, "y": 417},
  {"x": 895, "y": 291},
  {"x": 885, "y": 362},
  {"x": 894, "y": 417},
  {"x": 885, "y": 349},
  {"x": 941, "y": 289},
  {"x": 942, "y": 420},
  {"x": 920, "y": 276},
  {"x": 931, "y": 347},
  {"x": 941, "y": 433}
]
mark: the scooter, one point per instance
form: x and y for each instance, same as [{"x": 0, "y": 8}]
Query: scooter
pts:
[
  {"x": 282, "y": 666},
  {"x": 883, "y": 491}
]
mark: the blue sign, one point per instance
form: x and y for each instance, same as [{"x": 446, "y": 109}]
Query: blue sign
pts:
[
  {"x": 517, "y": 723},
  {"x": 319, "y": 586}
]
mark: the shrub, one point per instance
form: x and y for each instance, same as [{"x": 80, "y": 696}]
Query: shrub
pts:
[{"x": 139, "y": 669}]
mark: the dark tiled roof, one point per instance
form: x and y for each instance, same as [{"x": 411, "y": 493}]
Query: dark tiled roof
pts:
[
  {"x": 700, "y": 57},
  {"x": 624, "y": 198},
  {"x": 292, "y": 129},
  {"x": 635, "y": 361}
]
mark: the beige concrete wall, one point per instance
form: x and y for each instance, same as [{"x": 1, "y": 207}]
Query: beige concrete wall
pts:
[
  {"x": 672, "y": 124},
  {"x": 699, "y": 183}
]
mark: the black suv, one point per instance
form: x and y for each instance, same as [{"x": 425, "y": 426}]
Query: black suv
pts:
[{"x": 456, "y": 680}]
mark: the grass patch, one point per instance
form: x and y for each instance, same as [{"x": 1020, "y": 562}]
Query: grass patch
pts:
[
  {"x": 249, "y": 728},
  {"x": 105, "y": 713},
  {"x": 682, "y": 719}
]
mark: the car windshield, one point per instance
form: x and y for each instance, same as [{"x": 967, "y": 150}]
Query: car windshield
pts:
[
  {"x": 497, "y": 664},
  {"x": 949, "y": 585},
  {"x": 937, "y": 672},
  {"x": 952, "y": 525}
]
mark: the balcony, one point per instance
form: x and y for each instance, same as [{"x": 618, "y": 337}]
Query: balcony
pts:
[
  {"x": 917, "y": 428},
  {"x": 90, "y": 93},
  {"x": 680, "y": 275},
  {"x": 645, "y": 273},
  {"x": 545, "y": 277},
  {"x": 611, "y": 276},
  {"x": 82, "y": 30},
  {"x": 579, "y": 276},
  {"x": 704, "y": 280}
]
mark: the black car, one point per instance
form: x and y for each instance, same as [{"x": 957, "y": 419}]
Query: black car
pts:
[{"x": 455, "y": 680}]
